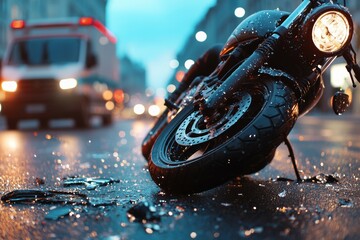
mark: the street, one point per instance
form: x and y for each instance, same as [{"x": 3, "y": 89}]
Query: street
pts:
[{"x": 255, "y": 207}]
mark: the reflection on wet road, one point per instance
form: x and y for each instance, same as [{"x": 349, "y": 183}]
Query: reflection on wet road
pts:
[{"x": 254, "y": 206}]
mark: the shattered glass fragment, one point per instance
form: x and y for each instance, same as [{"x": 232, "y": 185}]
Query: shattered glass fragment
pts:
[
  {"x": 345, "y": 203},
  {"x": 282, "y": 194},
  {"x": 56, "y": 213},
  {"x": 96, "y": 202},
  {"x": 90, "y": 183},
  {"x": 143, "y": 212},
  {"x": 91, "y": 186},
  {"x": 43, "y": 196},
  {"x": 55, "y": 197}
]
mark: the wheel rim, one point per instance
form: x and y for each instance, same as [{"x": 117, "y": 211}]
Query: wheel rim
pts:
[
  {"x": 194, "y": 130},
  {"x": 196, "y": 141}
]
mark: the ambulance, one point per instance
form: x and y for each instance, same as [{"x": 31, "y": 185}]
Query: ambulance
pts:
[{"x": 61, "y": 68}]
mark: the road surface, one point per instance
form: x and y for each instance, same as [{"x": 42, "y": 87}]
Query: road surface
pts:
[{"x": 255, "y": 206}]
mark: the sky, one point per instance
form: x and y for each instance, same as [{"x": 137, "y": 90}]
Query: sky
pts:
[{"x": 152, "y": 32}]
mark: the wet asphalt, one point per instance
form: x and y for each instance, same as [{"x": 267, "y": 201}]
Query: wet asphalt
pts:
[{"x": 131, "y": 206}]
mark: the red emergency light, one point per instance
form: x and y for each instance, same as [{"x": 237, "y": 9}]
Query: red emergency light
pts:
[
  {"x": 88, "y": 21},
  {"x": 83, "y": 21},
  {"x": 17, "y": 24}
]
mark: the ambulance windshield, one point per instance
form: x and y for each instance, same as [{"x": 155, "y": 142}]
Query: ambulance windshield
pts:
[{"x": 45, "y": 51}]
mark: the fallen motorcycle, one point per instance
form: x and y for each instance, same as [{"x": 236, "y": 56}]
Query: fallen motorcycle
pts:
[{"x": 270, "y": 73}]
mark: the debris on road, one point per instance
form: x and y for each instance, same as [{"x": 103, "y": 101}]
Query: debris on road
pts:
[
  {"x": 143, "y": 212},
  {"x": 320, "y": 178},
  {"x": 58, "y": 212},
  {"x": 345, "y": 203},
  {"x": 90, "y": 183},
  {"x": 44, "y": 196},
  {"x": 54, "y": 197},
  {"x": 147, "y": 214}
]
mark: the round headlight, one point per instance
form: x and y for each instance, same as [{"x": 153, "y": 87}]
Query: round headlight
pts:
[{"x": 331, "y": 31}]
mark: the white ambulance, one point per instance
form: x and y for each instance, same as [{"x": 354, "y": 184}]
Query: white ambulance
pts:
[{"x": 61, "y": 68}]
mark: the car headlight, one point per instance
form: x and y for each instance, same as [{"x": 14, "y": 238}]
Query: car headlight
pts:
[
  {"x": 331, "y": 31},
  {"x": 9, "y": 86},
  {"x": 68, "y": 83}
]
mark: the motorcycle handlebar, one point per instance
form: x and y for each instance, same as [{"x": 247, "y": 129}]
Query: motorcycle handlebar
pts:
[{"x": 351, "y": 63}]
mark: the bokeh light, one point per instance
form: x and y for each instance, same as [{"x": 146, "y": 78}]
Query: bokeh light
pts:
[
  {"x": 239, "y": 12},
  {"x": 188, "y": 63},
  {"x": 201, "y": 36}
]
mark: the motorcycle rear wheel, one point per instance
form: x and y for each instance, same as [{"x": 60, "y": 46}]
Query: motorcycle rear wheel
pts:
[{"x": 246, "y": 147}]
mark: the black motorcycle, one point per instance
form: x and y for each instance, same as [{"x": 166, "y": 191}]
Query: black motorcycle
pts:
[{"x": 270, "y": 73}]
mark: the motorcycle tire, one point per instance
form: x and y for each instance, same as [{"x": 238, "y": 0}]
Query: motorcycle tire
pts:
[
  {"x": 245, "y": 148},
  {"x": 152, "y": 135}
]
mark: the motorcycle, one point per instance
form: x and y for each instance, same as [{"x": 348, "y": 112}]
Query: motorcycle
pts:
[
  {"x": 183, "y": 95},
  {"x": 269, "y": 74}
]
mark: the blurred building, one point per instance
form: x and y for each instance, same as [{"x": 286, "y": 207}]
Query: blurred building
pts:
[
  {"x": 36, "y": 9},
  {"x": 133, "y": 77},
  {"x": 222, "y": 19}
]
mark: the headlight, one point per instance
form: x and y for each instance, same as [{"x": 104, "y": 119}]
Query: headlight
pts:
[
  {"x": 331, "y": 31},
  {"x": 68, "y": 83},
  {"x": 9, "y": 86}
]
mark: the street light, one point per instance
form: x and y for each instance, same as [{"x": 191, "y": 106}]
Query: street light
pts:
[
  {"x": 201, "y": 36},
  {"x": 239, "y": 12},
  {"x": 174, "y": 63},
  {"x": 171, "y": 88},
  {"x": 188, "y": 63}
]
